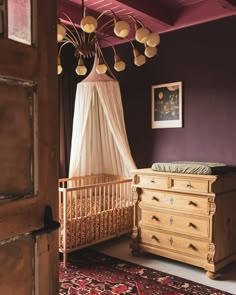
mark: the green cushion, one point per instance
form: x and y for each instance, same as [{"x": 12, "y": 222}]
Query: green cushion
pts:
[{"x": 187, "y": 167}]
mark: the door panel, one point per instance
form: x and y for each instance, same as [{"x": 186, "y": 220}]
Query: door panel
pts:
[
  {"x": 24, "y": 62},
  {"x": 28, "y": 151},
  {"x": 16, "y": 257},
  {"x": 16, "y": 144}
]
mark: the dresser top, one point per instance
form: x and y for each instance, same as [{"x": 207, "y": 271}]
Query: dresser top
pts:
[{"x": 149, "y": 171}]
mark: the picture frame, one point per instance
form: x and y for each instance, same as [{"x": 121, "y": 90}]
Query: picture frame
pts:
[{"x": 166, "y": 105}]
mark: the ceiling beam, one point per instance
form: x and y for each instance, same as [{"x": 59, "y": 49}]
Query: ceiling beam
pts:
[
  {"x": 165, "y": 16},
  {"x": 74, "y": 11},
  {"x": 228, "y": 4}
]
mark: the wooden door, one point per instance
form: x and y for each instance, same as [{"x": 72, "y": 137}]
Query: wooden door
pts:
[{"x": 28, "y": 148}]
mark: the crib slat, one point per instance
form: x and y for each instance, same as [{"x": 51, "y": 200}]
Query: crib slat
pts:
[
  {"x": 81, "y": 218},
  {"x": 64, "y": 228}
]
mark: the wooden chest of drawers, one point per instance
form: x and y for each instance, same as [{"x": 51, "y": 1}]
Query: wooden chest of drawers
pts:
[{"x": 186, "y": 217}]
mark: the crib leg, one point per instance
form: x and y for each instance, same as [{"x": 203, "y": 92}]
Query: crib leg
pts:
[{"x": 64, "y": 259}]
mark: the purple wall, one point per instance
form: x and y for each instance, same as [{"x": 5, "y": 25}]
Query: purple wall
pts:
[{"x": 203, "y": 57}]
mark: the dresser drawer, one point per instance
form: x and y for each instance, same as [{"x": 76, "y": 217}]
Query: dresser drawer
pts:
[
  {"x": 190, "y": 185},
  {"x": 152, "y": 181},
  {"x": 189, "y": 203},
  {"x": 173, "y": 242},
  {"x": 176, "y": 222}
]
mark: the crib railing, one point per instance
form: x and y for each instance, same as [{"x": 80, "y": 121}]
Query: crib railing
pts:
[
  {"x": 88, "y": 180},
  {"x": 93, "y": 209}
]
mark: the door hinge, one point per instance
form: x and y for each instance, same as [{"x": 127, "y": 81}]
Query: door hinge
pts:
[{"x": 49, "y": 224}]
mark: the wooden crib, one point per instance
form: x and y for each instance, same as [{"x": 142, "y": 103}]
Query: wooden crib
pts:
[{"x": 93, "y": 209}]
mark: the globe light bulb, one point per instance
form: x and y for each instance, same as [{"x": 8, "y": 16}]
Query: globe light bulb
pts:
[
  {"x": 81, "y": 69},
  {"x": 61, "y": 32},
  {"x": 122, "y": 29},
  {"x": 150, "y": 51},
  {"x": 101, "y": 68},
  {"x": 88, "y": 24},
  {"x": 119, "y": 65},
  {"x": 139, "y": 59},
  {"x": 142, "y": 35},
  {"x": 153, "y": 40},
  {"x": 59, "y": 67}
]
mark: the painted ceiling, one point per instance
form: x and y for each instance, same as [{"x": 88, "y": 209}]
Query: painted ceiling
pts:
[{"x": 158, "y": 15}]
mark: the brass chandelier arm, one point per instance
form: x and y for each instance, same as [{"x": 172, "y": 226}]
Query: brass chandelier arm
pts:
[
  {"x": 77, "y": 33},
  {"x": 69, "y": 34},
  {"x": 59, "y": 52},
  {"x": 70, "y": 38},
  {"x": 83, "y": 8},
  {"x": 106, "y": 24},
  {"x": 113, "y": 47},
  {"x": 136, "y": 20},
  {"x": 104, "y": 12},
  {"x": 100, "y": 55},
  {"x": 131, "y": 43},
  {"x": 104, "y": 34},
  {"x": 91, "y": 37}
]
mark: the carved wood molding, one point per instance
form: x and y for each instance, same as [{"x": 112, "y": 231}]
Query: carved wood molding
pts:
[
  {"x": 211, "y": 253},
  {"x": 212, "y": 208},
  {"x": 212, "y": 205},
  {"x": 211, "y": 199},
  {"x": 136, "y": 179},
  {"x": 134, "y": 233},
  {"x": 134, "y": 189}
]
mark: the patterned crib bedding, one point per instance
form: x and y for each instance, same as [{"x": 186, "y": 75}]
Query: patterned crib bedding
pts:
[
  {"x": 79, "y": 205},
  {"x": 187, "y": 167},
  {"x": 87, "y": 229}
]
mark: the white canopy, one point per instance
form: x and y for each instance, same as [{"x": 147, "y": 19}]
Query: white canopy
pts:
[{"x": 99, "y": 140}]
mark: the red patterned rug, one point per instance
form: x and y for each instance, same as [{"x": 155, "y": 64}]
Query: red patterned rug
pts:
[{"x": 93, "y": 273}]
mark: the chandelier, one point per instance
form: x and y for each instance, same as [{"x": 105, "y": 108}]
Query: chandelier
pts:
[{"x": 88, "y": 38}]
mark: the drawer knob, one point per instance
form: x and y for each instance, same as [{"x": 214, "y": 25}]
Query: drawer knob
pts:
[
  {"x": 192, "y": 225},
  {"x": 155, "y": 238},
  {"x": 152, "y": 181},
  {"x": 171, "y": 220},
  {"x": 192, "y": 203},
  {"x": 155, "y": 198},
  {"x": 171, "y": 241},
  {"x": 189, "y": 185},
  {"x": 191, "y": 246},
  {"x": 171, "y": 200},
  {"x": 155, "y": 218}
]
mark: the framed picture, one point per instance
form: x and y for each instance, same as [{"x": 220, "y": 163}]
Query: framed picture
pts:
[{"x": 167, "y": 105}]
